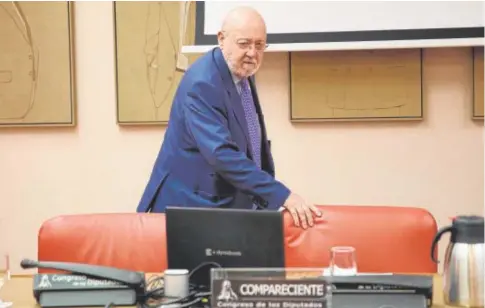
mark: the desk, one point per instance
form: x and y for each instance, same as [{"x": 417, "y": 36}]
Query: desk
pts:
[{"x": 19, "y": 291}]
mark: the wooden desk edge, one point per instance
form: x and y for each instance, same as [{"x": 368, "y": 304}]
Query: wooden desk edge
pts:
[{"x": 19, "y": 291}]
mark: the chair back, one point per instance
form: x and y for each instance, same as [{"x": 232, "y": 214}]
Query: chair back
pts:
[
  {"x": 132, "y": 241},
  {"x": 385, "y": 238}
]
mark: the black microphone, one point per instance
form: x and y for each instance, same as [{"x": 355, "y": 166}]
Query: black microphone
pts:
[
  {"x": 122, "y": 276},
  {"x": 85, "y": 285}
]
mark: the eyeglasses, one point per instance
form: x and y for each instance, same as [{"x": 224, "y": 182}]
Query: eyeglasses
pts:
[{"x": 246, "y": 44}]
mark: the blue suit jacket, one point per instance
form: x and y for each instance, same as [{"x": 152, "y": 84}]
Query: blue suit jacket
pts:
[{"x": 205, "y": 159}]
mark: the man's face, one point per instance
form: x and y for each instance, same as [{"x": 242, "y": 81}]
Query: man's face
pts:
[{"x": 244, "y": 49}]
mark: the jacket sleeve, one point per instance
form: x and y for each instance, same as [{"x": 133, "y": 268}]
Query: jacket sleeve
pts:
[{"x": 206, "y": 121}]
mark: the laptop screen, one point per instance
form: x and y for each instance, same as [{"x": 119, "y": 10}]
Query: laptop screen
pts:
[{"x": 231, "y": 238}]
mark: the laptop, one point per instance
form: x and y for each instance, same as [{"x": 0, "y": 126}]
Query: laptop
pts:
[{"x": 231, "y": 238}]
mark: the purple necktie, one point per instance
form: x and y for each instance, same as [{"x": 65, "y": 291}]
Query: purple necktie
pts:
[{"x": 254, "y": 128}]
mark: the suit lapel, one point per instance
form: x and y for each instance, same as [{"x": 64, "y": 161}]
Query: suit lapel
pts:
[{"x": 236, "y": 104}]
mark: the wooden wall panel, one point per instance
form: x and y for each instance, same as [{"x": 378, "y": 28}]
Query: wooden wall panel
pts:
[{"x": 356, "y": 85}]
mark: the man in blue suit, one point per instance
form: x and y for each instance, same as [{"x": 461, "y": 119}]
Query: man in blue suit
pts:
[{"x": 215, "y": 152}]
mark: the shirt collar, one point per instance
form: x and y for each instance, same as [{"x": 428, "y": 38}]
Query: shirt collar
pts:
[{"x": 235, "y": 78}]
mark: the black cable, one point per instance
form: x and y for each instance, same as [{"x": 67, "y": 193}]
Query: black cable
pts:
[
  {"x": 198, "y": 268},
  {"x": 154, "y": 296},
  {"x": 203, "y": 264}
]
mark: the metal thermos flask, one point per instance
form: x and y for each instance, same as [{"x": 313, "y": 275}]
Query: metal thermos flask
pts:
[{"x": 463, "y": 268}]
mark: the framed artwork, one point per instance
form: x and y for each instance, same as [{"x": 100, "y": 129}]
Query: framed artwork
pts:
[
  {"x": 36, "y": 64},
  {"x": 478, "y": 100},
  {"x": 356, "y": 85},
  {"x": 149, "y": 62}
]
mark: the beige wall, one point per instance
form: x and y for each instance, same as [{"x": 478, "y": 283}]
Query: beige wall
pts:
[{"x": 101, "y": 167}]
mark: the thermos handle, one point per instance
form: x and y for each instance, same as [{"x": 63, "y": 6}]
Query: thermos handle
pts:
[{"x": 435, "y": 241}]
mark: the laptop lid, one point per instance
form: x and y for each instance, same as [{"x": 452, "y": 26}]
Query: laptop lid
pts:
[{"x": 229, "y": 237}]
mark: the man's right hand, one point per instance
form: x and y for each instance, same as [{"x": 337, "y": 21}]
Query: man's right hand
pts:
[{"x": 301, "y": 211}]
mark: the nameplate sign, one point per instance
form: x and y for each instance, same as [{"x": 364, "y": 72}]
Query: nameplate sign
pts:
[
  {"x": 270, "y": 293},
  {"x": 51, "y": 282}
]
